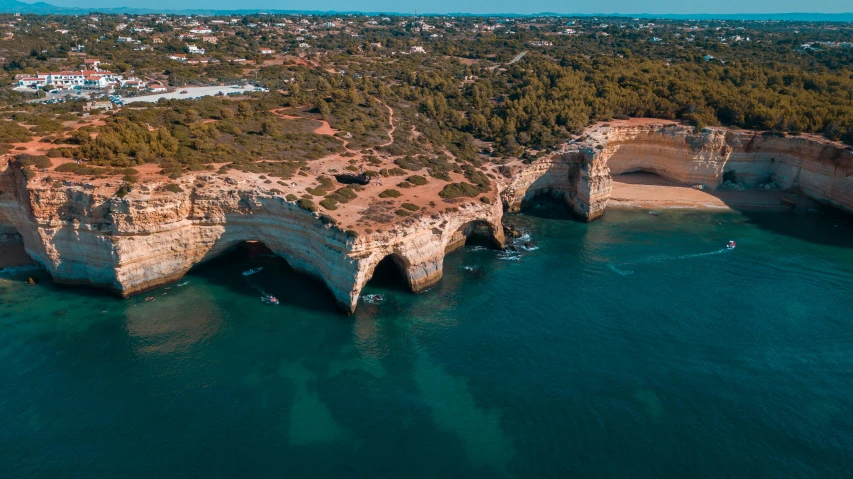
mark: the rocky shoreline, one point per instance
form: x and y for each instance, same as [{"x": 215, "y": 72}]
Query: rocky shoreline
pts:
[{"x": 150, "y": 237}]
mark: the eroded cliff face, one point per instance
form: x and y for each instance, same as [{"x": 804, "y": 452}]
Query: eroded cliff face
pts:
[
  {"x": 581, "y": 172},
  {"x": 85, "y": 235},
  {"x": 88, "y": 235}
]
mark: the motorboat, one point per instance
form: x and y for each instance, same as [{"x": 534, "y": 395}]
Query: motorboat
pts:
[
  {"x": 250, "y": 272},
  {"x": 270, "y": 299},
  {"x": 731, "y": 245}
]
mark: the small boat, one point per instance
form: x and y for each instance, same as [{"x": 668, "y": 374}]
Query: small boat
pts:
[
  {"x": 150, "y": 298},
  {"x": 270, "y": 299},
  {"x": 250, "y": 272},
  {"x": 183, "y": 284},
  {"x": 731, "y": 245}
]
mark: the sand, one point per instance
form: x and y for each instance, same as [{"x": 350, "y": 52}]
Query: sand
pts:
[{"x": 646, "y": 190}]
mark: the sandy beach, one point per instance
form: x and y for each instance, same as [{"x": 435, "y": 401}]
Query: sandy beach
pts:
[{"x": 646, "y": 190}]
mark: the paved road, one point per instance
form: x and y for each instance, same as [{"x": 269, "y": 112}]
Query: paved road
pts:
[
  {"x": 517, "y": 58},
  {"x": 191, "y": 92}
]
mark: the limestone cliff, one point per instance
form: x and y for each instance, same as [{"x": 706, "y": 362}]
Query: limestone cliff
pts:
[
  {"x": 581, "y": 172},
  {"x": 84, "y": 234}
]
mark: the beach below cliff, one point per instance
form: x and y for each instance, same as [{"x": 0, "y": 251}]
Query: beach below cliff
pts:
[{"x": 650, "y": 191}]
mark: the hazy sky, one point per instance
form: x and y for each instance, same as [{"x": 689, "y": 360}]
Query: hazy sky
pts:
[{"x": 491, "y": 6}]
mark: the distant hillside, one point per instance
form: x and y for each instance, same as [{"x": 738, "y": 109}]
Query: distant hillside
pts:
[{"x": 42, "y": 8}]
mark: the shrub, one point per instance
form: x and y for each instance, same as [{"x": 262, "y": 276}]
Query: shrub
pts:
[
  {"x": 290, "y": 197},
  {"x": 174, "y": 188},
  {"x": 327, "y": 220},
  {"x": 404, "y": 184},
  {"x": 11, "y": 132},
  {"x": 123, "y": 191},
  {"x": 307, "y": 205},
  {"x": 410, "y": 206},
  {"x": 417, "y": 180},
  {"x": 28, "y": 173},
  {"x": 342, "y": 195},
  {"x": 352, "y": 233},
  {"x": 456, "y": 190},
  {"x": 37, "y": 161},
  {"x": 486, "y": 200},
  {"x": 390, "y": 194},
  {"x": 329, "y": 204},
  {"x": 402, "y": 213}
]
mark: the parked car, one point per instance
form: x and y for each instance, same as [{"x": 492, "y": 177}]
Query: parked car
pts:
[{"x": 183, "y": 92}]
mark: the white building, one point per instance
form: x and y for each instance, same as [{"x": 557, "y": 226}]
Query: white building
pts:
[
  {"x": 65, "y": 79},
  {"x": 194, "y": 49}
]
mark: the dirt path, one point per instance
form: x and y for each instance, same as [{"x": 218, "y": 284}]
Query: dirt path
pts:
[{"x": 391, "y": 124}]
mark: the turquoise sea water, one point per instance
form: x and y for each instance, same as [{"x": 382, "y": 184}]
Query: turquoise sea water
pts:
[{"x": 635, "y": 346}]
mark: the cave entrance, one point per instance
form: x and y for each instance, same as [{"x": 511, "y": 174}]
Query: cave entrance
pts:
[
  {"x": 479, "y": 234},
  {"x": 389, "y": 274},
  {"x": 547, "y": 203},
  {"x": 272, "y": 275},
  {"x": 473, "y": 233},
  {"x": 12, "y": 250}
]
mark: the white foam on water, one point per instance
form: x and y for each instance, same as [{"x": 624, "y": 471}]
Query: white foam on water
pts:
[
  {"x": 619, "y": 271},
  {"x": 665, "y": 257}
]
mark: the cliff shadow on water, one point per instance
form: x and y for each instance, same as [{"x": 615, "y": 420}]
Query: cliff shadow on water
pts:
[
  {"x": 803, "y": 226},
  {"x": 787, "y": 212},
  {"x": 277, "y": 277},
  {"x": 548, "y": 206}
]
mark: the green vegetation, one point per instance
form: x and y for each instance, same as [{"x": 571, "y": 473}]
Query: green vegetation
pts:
[
  {"x": 390, "y": 194},
  {"x": 11, "y": 132},
  {"x": 417, "y": 180},
  {"x": 307, "y": 205},
  {"x": 410, "y": 207},
  {"x": 456, "y": 108},
  {"x": 33, "y": 160},
  {"x": 457, "y": 190}
]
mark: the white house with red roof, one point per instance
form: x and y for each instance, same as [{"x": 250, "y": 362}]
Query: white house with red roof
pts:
[{"x": 92, "y": 63}]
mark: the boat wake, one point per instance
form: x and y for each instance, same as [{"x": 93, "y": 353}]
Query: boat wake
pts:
[{"x": 619, "y": 268}]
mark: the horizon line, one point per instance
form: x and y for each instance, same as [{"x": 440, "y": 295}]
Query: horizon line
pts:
[{"x": 489, "y": 14}]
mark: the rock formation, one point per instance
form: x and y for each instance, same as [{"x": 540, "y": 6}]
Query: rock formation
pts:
[
  {"x": 581, "y": 172},
  {"x": 85, "y": 235},
  {"x": 88, "y": 235}
]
